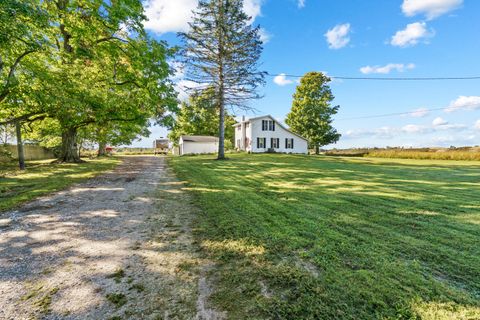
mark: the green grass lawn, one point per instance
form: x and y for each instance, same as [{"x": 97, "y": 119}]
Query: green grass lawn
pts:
[
  {"x": 43, "y": 177},
  {"x": 298, "y": 237}
]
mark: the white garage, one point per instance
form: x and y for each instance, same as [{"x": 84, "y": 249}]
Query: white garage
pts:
[{"x": 197, "y": 144}]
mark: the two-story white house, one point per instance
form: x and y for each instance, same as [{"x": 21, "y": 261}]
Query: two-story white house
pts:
[{"x": 265, "y": 134}]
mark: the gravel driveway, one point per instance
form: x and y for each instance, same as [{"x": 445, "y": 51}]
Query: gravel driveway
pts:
[{"x": 118, "y": 246}]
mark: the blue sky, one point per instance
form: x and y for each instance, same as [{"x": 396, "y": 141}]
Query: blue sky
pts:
[{"x": 374, "y": 38}]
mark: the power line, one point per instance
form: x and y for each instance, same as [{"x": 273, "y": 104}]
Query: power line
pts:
[
  {"x": 390, "y": 114},
  {"x": 383, "y": 78}
]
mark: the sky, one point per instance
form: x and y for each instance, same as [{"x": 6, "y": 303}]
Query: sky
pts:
[{"x": 357, "y": 38}]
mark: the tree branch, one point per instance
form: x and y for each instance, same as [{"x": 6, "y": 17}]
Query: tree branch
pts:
[
  {"x": 6, "y": 90},
  {"x": 25, "y": 117}
]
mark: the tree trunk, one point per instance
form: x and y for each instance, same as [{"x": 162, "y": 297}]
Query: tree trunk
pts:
[
  {"x": 69, "y": 146},
  {"x": 21, "y": 155},
  {"x": 221, "y": 91},
  {"x": 102, "y": 148},
  {"x": 221, "y": 133},
  {"x": 317, "y": 149}
]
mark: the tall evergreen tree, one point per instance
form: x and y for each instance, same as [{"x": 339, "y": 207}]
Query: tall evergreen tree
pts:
[
  {"x": 222, "y": 50},
  {"x": 311, "y": 113}
]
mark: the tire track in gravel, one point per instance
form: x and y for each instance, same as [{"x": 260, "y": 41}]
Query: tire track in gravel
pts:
[{"x": 118, "y": 246}]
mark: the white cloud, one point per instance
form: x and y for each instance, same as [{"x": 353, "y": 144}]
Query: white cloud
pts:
[
  {"x": 169, "y": 16},
  {"x": 399, "y": 67},
  {"x": 477, "y": 124},
  {"x": 419, "y": 113},
  {"x": 383, "y": 132},
  {"x": 253, "y": 8},
  {"x": 439, "y": 122},
  {"x": 301, "y": 3},
  {"x": 174, "y": 15},
  {"x": 464, "y": 103},
  {"x": 431, "y": 8},
  {"x": 413, "y": 128},
  {"x": 282, "y": 80},
  {"x": 411, "y": 35},
  {"x": 337, "y": 37},
  {"x": 265, "y": 36},
  {"x": 454, "y": 126}
]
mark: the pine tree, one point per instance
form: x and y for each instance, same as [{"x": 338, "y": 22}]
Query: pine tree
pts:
[
  {"x": 311, "y": 113},
  {"x": 222, "y": 50}
]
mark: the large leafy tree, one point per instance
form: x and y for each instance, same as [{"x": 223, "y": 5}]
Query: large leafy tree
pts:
[
  {"x": 222, "y": 50},
  {"x": 108, "y": 74},
  {"x": 312, "y": 112},
  {"x": 199, "y": 116},
  {"x": 24, "y": 32},
  {"x": 85, "y": 63}
]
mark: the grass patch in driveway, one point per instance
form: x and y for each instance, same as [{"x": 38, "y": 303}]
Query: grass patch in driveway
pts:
[
  {"x": 298, "y": 237},
  {"x": 43, "y": 177}
]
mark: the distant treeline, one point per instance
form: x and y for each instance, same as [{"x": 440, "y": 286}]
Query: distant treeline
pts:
[{"x": 461, "y": 153}]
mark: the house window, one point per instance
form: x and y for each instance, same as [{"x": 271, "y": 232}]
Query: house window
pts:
[
  {"x": 275, "y": 143},
  {"x": 268, "y": 125},
  {"x": 247, "y": 125},
  {"x": 288, "y": 143},
  {"x": 239, "y": 128},
  {"x": 261, "y": 143},
  {"x": 238, "y": 143}
]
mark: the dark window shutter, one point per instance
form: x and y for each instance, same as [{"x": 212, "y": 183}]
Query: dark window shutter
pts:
[
  {"x": 286, "y": 143},
  {"x": 271, "y": 142},
  {"x": 273, "y": 125},
  {"x": 292, "y": 143},
  {"x": 258, "y": 142}
]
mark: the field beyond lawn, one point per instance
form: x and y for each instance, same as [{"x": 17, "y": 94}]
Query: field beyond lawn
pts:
[
  {"x": 43, "y": 177},
  {"x": 297, "y": 237}
]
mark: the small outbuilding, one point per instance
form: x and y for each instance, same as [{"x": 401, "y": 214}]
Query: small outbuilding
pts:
[{"x": 197, "y": 145}]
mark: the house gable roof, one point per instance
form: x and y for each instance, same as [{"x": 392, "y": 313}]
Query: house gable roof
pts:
[
  {"x": 276, "y": 121},
  {"x": 199, "y": 139}
]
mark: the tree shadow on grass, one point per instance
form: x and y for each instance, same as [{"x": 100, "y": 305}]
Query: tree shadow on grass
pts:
[{"x": 387, "y": 241}]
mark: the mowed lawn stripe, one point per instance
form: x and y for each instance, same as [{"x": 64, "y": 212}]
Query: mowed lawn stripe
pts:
[{"x": 315, "y": 237}]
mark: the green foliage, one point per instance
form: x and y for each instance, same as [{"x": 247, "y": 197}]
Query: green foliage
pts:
[
  {"x": 296, "y": 237},
  {"x": 45, "y": 133},
  {"x": 311, "y": 113},
  {"x": 200, "y": 116},
  {"x": 89, "y": 64},
  {"x": 118, "y": 299},
  {"x": 23, "y": 30}
]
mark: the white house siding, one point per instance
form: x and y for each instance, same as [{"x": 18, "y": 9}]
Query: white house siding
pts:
[
  {"x": 243, "y": 136},
  {"x": 254, "y": 130},
  {"x": 189, "y": 147}
]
